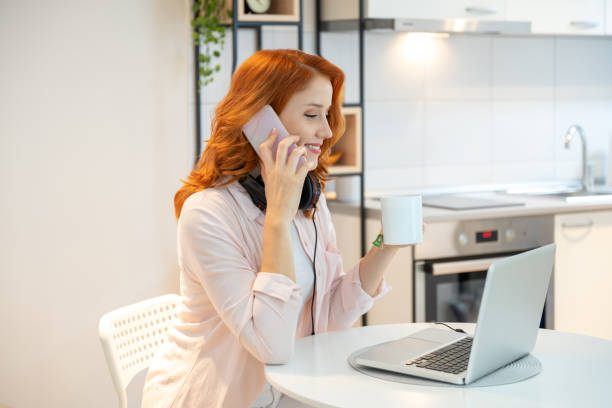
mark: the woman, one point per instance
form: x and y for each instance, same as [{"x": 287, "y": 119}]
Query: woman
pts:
[{"x": 247, "y": 276}]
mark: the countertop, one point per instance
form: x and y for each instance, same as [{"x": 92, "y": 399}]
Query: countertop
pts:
[{"x": 533, "y": 205}]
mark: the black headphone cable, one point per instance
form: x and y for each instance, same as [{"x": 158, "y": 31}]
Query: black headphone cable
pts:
[{"x": 314, "y": 272}]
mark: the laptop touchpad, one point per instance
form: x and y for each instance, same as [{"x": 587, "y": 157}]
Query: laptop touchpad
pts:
[
  {"x": 437, "y": 335},
  {"x": 404, "y": 349}
]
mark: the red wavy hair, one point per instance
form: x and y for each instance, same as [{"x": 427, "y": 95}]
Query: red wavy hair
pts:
[{"x": 268, "y": 77}]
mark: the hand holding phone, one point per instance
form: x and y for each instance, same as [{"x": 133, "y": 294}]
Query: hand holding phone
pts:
[{"x": 258, "y": 129}]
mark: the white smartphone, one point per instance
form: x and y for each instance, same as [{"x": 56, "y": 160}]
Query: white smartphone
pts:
[{"x": 258, "y": 129}]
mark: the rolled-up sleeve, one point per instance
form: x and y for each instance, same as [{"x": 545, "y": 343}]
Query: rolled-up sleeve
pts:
[
  {"x": 347, "y": 299},
  {"x": 259, "y": 308}
]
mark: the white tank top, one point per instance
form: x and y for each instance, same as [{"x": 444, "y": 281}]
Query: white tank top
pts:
[{"x": 303, "y": 268}]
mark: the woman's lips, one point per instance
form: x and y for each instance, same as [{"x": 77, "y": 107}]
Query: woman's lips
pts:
[{"x": 314, "y": 148}]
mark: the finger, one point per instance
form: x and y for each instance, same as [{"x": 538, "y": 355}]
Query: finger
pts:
[
  {"x": 293, "y": 162},
  {"x": 303, "y": 169},
  {"x": 265, "y": 149},
  {"x": 282, "y": 152}
]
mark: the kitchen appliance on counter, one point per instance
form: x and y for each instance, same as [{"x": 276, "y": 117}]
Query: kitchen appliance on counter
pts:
[
  {"x": 451, "y": 263},
  {"x": 459, "y": 202}
]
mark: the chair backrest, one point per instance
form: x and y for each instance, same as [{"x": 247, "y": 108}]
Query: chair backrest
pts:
[{"x": 131, "y": 335}]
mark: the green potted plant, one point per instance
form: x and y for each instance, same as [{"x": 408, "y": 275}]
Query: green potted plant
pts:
[{"x": 209, "y": 34}]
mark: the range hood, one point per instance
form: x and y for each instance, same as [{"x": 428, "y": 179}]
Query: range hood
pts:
[{"x": 449, "y": 26}]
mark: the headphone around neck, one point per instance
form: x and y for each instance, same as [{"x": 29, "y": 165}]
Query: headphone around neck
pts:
[{"x": 257, "y": 190}]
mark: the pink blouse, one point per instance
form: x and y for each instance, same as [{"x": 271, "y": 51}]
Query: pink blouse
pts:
[{"x": 234, "y": 319}]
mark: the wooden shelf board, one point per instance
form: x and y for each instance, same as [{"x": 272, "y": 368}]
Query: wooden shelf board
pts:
[
  {"x": 344, "y": 169},
  {"x": 263, "y": 18}
]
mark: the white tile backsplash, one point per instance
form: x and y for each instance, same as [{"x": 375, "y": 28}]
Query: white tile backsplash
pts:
[
  {"x": 584, "y": 67},
  {"x": 568, "y": 170},
  {"x": 458, "y": 133},
  {"x": 395, "y": 134},
  {"x": 394, "y": 67},
  {"x": 395, "y": 178},
  {"x": 452, "y": 175},
  {"x": 459, "y": 68},
  {"x": 523, "y": 68},
  {"x": 528, "y": 171},
  {"x": 523, "y": 131}
]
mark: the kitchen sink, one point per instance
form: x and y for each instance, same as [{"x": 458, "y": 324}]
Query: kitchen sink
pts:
[{"x": 596, "y": 194}]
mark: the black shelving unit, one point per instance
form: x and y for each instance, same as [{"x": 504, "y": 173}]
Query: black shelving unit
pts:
[
  {"x": 257, "y": 25},
  {"x": 360, "y": 26}
]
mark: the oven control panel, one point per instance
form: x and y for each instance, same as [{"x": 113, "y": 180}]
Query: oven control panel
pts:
[{"x": 474, "y": 237}]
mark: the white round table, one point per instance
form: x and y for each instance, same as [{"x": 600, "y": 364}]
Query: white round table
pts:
[{"x": 576, "y": 372}]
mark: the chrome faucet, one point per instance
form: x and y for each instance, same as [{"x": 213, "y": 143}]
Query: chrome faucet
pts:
[{"x": 576, "y": 129}]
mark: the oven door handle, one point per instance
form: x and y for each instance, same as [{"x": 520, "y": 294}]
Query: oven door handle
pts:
[{"x": 472, "y": 265}]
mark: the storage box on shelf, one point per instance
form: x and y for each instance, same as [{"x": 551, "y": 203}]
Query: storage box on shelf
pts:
[
  {"x": 280, "y": 11},
  {"x": 349, "y": 145}
]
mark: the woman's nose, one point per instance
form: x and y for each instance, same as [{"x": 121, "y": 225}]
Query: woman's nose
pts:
[{"x": 325, "y": 131}]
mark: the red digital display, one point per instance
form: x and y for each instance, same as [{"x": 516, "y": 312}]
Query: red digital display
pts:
[{"x": 486, "y": 236}]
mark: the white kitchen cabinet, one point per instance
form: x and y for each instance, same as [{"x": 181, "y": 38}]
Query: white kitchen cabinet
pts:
[
  {"x": 583, "y": 273},
  {"x": 431, "y": 9},
  {"x": 473, "y": 9},
  {"x": 574, "y": 17}
]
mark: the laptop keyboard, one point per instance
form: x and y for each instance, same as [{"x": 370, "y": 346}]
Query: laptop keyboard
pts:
[{"x": 452, "y": 359}]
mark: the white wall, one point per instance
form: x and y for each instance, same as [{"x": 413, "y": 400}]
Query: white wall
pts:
[{"x": 95, "y": 133}]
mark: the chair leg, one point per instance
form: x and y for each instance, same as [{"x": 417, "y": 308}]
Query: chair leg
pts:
[{"x": 123, "y": 400}]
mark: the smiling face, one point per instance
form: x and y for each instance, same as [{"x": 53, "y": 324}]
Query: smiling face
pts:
[{"x": 305, "y": 115}]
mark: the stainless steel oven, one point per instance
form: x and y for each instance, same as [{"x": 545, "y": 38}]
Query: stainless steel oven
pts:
[{"x": 450, "y": 266}]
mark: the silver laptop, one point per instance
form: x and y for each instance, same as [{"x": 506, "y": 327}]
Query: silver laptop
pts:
[{"x": 507, "y": 327}]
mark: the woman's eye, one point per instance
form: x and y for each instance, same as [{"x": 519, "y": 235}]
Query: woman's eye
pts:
[{"x": 310, "y": 116}]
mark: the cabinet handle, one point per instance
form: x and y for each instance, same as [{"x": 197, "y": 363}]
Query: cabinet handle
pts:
[
  {"x": 481, "y": 10},
  {"x": 579, "y": 225},
  {"x": 584, "y": 25}
]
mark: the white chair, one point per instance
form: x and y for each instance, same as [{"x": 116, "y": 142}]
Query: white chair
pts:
[{"x": 131, "y": 335}]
